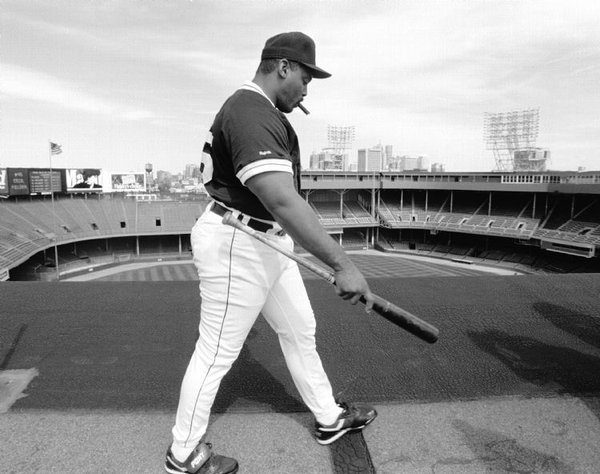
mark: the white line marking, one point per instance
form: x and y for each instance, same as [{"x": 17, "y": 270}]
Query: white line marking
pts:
[{"x": 12, "y": 385}]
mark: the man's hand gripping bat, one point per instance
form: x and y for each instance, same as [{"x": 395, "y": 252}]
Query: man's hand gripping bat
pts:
[{"x": 381, "y": 306}]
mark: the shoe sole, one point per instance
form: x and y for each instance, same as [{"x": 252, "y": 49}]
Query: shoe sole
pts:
[
  {"x": 339, "y": 434},
  {"x": 176, "y": 470},
  {"x": 171, "y": 471}
]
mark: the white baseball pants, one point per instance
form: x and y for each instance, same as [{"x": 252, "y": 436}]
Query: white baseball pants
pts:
[{"x": 241, "y": 277}]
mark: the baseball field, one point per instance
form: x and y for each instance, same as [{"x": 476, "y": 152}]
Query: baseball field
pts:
[{"x": 91, "y": 372}]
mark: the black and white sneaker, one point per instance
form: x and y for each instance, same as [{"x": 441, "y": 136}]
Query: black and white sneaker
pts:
[
  {"x": 353, "y": 418},
  {"x": 201, "y": 461}
]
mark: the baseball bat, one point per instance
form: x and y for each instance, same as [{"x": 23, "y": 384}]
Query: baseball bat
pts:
[{"x": 396, "y": 315}]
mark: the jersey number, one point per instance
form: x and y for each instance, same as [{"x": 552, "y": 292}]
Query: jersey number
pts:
[{"x": 206, "y": 163}]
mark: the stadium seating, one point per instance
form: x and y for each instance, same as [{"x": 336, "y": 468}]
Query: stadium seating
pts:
[
  {"x": 469, "y": 216},
  {"x": 351, "y": 213},
  {"x": 29, "y": 226}
]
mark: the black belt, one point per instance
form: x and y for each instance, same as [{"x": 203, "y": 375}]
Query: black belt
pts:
[{"x": 253, "y": 223}]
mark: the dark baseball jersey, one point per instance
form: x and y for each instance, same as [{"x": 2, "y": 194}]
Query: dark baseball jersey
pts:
[{"x": 249, "y": 136}]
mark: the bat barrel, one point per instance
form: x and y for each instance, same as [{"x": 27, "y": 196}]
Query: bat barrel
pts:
[{"x": 402, "y": 318}]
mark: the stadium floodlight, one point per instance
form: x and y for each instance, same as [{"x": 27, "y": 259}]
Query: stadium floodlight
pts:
[
  {"x": 508, "y": 132},
  {"x": 340, "y": 138}
]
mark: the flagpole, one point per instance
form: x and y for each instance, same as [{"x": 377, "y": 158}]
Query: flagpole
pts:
[{"x": 53, "y": 213}]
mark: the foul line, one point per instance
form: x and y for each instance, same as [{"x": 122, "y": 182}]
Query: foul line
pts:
[{"x": 13, "y": 347}]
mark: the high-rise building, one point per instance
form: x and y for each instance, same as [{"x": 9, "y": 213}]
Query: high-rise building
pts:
[
  {"x": 410, "y": 162},
  {"x": 361, "y": 159},
  {"x": 394, "y": 163},
  {"x": 191, "y": 170},
  {"x": 414, "y": 163},
  {"x": 371, "y": 159},
  {"x": 387, "y": 153},
  {"x": 326, "y": 160}
]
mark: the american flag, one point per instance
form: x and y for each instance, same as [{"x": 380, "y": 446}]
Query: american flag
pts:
[{"x": 55, "y": 149}]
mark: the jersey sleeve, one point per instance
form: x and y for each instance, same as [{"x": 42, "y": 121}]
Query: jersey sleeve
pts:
[{"x": 258, "y": 142}]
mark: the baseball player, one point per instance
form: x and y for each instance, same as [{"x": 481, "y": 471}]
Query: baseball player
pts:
[{"x": 251, "y": 167}]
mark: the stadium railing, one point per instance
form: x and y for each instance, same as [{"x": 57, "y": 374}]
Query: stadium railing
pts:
[{"x": 28, "y": 227}]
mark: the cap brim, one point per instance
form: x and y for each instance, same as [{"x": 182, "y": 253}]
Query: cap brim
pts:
[{"x": 316, "y": 72}]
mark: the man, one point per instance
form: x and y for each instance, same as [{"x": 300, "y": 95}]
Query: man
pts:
[{"x": 251, "y": 166}]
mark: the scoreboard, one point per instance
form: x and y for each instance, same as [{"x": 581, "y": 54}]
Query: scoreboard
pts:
[
  {"x": 44, "y": 181},
  {"x": 27, "y": 181}
]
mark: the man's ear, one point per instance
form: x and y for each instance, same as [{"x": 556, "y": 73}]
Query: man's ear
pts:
[{"x": 283, "y": 68}]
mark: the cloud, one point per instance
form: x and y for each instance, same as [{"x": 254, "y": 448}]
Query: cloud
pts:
[
  {"x": 416, "y": 74},
  {"x": 23, "y": 83}
]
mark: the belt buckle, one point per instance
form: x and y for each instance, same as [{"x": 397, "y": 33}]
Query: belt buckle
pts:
[
  {"x": 237, "y": 215},
  {"x": 246, "y": 220},
  {"x": 243, "y": 218}
]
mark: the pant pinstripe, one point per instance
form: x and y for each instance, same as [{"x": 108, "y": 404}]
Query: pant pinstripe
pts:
[{"x": 241, "y": 277}]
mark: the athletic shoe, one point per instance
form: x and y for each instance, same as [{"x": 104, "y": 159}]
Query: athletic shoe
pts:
[
  {"x": 353, "y": 418},
  {"x": 201, "y": 461}
]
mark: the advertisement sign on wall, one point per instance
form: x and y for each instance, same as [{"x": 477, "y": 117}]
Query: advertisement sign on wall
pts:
[
  {"x": 3, "y": 185},
  {"x": 18, "y": 181},
  {"x": 128, "y": 182},
  {"x": 84, "y": 180}
]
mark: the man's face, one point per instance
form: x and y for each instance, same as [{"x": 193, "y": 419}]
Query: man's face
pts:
[{"x": 293, "y": 88}]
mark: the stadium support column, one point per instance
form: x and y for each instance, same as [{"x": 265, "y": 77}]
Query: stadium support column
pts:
[
  {"x": 375, "y": 208},
  {"x": 375, "y": 195},
  {"x": 306, "y": 192},
  {"x": 50, "y": 153}
]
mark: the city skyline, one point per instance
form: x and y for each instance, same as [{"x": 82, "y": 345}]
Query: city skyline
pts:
[{"x": 119, "y": 84}]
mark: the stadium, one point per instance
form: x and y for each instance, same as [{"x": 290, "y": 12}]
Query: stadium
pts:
[
  {"x": 534, "y": 221},
  {"x": 120, "y": 117},
  {"x": 512, "y": 380}
]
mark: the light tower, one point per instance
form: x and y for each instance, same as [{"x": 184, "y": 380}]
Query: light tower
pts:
[
  {"x": 340, "y": 140},
  {"x": 511, "y": 136}
]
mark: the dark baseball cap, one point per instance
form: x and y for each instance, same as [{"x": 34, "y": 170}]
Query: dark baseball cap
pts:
[{"x": 294, "y": 46}]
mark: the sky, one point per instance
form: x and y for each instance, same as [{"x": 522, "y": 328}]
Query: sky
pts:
[{"x": 122, "y": 83}]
